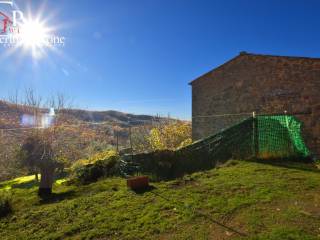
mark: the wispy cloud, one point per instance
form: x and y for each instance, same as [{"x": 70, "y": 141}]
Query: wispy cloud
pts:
[{"x": 65, "y": 72}]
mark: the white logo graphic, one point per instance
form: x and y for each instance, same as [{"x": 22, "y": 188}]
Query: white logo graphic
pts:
[{"x": 18, "y": 31}]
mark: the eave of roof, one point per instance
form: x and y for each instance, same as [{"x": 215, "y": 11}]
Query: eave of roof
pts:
[{"x": 251, "y": 54}]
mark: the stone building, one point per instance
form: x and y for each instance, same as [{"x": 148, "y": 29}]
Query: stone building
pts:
[{"x": 258, "y": 83}]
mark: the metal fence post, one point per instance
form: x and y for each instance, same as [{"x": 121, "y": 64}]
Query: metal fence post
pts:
[{"x": 255, "y": 140}]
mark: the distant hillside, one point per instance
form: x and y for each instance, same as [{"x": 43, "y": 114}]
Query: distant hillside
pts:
[
  {"x": 10, "y": 116},
  {"x": 110, "y": 116}
]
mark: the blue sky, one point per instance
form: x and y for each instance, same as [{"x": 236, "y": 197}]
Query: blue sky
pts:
[{"x": 139, "y": 55}]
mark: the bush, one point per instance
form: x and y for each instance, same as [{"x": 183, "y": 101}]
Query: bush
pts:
[
  {"x": 170, "y": 136},
  {"x": 5, "y": 205},
  {"x": 103, "y": 164}
]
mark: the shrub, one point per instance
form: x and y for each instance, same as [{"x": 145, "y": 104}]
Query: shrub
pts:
[
  {"x": 5, "y": 205},
  {"x": 89, "y": 170},
  {"x": 170, "y": 136},
  {"x": 94, "y": 158}
]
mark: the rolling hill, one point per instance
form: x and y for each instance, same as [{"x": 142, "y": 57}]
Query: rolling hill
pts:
[{"x": 10, "y": 116}]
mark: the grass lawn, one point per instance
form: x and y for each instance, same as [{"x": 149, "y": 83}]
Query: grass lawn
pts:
[{"x": 240, "y": 200}]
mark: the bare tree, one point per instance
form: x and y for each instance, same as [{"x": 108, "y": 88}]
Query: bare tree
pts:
[
  {"x": 59, "y": 101},
  {"x": 37, "y": 152},
  {"x": 36, "y": 105},
  {"x": 32, "y": 99},
  {"x": 33, "y": 103},
  {"x": 14, "y": 97},
  {"x": 57, "y": 141}
]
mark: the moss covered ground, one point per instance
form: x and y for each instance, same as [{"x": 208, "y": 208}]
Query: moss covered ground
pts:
[{"x": 239, "y": 200}]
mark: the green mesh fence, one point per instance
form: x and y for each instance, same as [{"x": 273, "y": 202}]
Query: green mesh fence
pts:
[
  {"x": 264, "y": 137},
  {"x": 279, "y": 136}
]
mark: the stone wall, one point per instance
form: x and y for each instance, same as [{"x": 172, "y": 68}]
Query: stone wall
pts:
[{"x": 261, "y": 83}]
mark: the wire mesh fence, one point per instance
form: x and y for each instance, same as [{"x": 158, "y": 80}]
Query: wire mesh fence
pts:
[
  {"x": 204, "y": 126},
  {"x": 258, "y": 137}
]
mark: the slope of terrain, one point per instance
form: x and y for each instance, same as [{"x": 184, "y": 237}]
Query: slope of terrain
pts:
[
  {"x": 240, "y": 200},
  {"x": 10, "y": 116}
]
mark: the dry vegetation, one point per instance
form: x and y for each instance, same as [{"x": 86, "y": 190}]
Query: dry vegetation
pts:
[{"x": 78, "y": 134}]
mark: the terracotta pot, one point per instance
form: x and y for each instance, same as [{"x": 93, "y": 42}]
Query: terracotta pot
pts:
[{"x": 136, "y": 183}]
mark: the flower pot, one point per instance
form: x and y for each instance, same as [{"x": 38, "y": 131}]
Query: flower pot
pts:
[{"x": 138, "y": 183}]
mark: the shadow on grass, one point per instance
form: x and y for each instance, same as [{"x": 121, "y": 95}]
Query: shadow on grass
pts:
[
  {"x": 199, "y": 213},
  {"x": 290, "y": 164},
  {"x": 56, "y": 197},
  {"x": 26, "y": 185},
  {"x": 144, "y": 190}
]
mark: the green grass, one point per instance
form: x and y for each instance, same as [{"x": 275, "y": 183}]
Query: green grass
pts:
[
  {"x": 7, "y": 185},
  {"x": 259, "y": 200}
]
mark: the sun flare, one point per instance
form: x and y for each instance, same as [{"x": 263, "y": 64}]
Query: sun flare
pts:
[{"x": 34, "y": 36}]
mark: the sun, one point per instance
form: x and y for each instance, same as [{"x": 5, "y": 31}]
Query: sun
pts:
[{"x": 34, "y": 36}]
